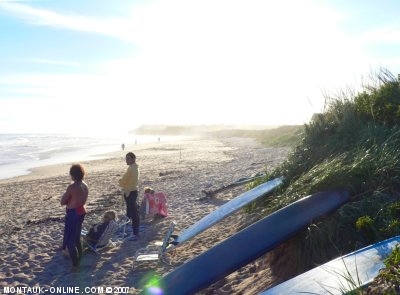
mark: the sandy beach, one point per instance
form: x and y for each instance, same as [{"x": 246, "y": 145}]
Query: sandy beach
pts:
[{"x": 32, "y": 218}]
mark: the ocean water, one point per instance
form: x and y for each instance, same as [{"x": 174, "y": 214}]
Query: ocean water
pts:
[{"x": 21, "y": 152}]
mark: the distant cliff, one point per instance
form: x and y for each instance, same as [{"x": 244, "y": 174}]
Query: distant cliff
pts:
[{"x": 190, "y": 129}]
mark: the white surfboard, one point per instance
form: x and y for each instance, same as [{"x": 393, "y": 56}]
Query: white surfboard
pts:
[
  {"x": 340, "y": 275},
  {"x": 227, "y": 209}
]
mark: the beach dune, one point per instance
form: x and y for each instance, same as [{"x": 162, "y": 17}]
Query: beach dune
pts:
[{"x": 32, "y": 218}]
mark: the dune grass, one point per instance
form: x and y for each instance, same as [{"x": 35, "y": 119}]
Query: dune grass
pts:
[
  {"x": 287, "y": 135},
  {"x": 353, "y": 145}
]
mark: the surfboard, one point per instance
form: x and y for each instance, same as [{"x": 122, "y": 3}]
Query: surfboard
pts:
[
  {"x": 226, "y": 209},
  {"x": 248, "y": 244},
  {"x": 340, "y": 275}
]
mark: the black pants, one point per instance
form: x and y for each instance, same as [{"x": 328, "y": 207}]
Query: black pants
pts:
[
  {"x": 132, "y": 210},
  {"x": 72, "y": 235}
]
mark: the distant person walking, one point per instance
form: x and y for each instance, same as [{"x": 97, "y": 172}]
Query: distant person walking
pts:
[
  {"x": 75, "y": 199},
  {"x": 130, "y": 184},
  {"x": 123, "y": 146}
]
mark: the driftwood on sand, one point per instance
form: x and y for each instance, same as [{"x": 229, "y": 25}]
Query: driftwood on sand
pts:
[{"x": 240, "y": 181}]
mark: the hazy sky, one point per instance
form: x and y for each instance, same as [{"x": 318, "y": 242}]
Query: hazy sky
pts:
[{"x": 78, "y": 65}]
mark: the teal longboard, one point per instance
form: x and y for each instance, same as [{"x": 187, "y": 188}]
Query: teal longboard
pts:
[
  {"x": 226, "y": 209},
  {"x": 340, "y": 275},
  {"x": 247, "y": 245}
]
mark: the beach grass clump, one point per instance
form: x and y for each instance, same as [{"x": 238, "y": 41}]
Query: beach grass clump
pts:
[
  {"x": 365, "y": 224},
  {"x": 387, "y": 281},
  {"x": 380, "y": 100},
  {"x": 394, "y": 258},
  {"x": 353, "y": 145}
]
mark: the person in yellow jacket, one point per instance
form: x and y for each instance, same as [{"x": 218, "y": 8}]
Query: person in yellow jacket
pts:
[{"x": 129, "y": 184}]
